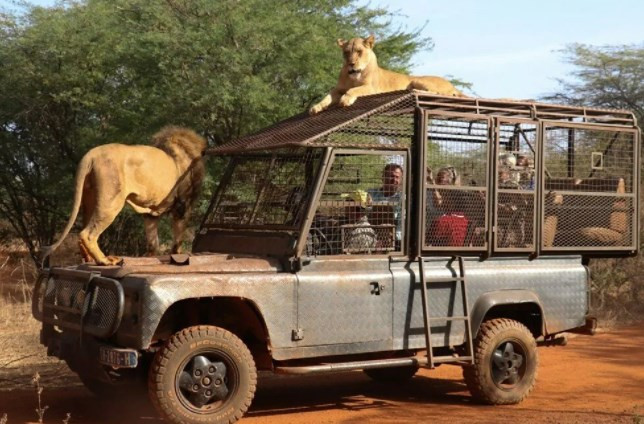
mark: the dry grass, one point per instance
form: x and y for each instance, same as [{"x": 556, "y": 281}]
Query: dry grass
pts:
[{"x": 22, "y": 359}]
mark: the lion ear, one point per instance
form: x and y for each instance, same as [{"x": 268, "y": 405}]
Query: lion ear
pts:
[
  {"x": 341, "y": 42},
  {"x": 369, "y": 41}
]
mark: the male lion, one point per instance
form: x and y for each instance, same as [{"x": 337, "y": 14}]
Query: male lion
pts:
[
  {"x": 163, "y": 177},
  {"x": 361, "y": 76}
]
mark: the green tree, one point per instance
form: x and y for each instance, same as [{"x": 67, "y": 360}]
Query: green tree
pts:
[
  {"x": 610, "y": 77},
  {"x": 89, "y": 72},
  {"x": 607, "y": 77}
]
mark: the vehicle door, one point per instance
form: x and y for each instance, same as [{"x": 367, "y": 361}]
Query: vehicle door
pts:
[{"x": 345, "y": 286}]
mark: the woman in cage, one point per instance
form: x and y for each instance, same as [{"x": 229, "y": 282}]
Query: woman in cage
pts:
[{"x": 449, "y": 224}]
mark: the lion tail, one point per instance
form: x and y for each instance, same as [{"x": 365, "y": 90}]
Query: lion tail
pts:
[{"x": 84, "y": 168}]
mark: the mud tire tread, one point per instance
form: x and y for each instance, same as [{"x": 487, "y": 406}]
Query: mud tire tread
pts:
[
  {"x": 157, "y": 388},
  {"x": 477, "y": 379}
]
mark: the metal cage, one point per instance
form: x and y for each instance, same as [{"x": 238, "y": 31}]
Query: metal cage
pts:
[{"x": 493, "y": 176}]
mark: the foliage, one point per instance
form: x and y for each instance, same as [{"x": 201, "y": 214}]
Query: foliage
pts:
[
  {"x": 610, "y": 77},
  {"x": 89, "y": 72},
  {"x": 607, "y": 77}
]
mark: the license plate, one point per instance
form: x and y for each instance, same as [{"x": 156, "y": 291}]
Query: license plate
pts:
[{"x": 118, "y": 358}]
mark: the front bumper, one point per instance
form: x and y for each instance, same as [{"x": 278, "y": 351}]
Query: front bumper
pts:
[{"x": 80, "y": 301}]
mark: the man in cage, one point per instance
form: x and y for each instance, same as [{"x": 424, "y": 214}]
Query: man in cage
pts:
[
  {"x": 390, "y": 196},
  {"x": 358, "y": 236},
  {"x": 512, "y": 209}
]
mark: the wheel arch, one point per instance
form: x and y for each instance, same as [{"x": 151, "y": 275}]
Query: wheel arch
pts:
[
  {"x": 238, "y": 315},
  {"x": 521, "y": 305}
]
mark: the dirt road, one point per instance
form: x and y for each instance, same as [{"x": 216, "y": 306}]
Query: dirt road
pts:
[{"x": 592, "y": 380}]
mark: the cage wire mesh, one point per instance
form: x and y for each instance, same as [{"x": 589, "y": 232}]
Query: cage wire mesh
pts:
[
  {"x": 586, "y": 169},
  {"x": 455, "y": 204},
  {"x": 389, "y": 127},
  {"x": 515, "y": 186},
  {"x": 384, "y": 121},
  {"x": 361, "y": 208},
  {"x": 265, "y": 189},
  {"x": 588, "y": 199}
]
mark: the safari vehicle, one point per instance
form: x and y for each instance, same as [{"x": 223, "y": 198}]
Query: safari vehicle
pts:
[{"x": 334, "y": 243}]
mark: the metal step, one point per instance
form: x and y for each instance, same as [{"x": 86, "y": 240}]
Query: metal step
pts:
[
  {"x": 452, "y": 318},
  {"x": 444, "y": 280},
  {"x": 446, "y": 359},
  {"x": 427, "y": 318},
  {"x": 351, "y": 366}
]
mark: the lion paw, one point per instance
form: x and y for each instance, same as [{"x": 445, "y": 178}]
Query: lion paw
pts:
[
  {"x": 316, "y": 109},
  {"x": 347, "y": 100},
  {"x": 114, "y": 260}
]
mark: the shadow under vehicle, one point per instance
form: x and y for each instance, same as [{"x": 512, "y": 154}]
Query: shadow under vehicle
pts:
[{"x": 331, "y": 244}]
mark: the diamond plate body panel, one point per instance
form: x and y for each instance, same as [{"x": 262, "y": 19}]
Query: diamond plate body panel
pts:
[
  {"x": 559, "y": 284},
  {"x": 272, "y": 294},
  {"x": 345, "y": 304}
]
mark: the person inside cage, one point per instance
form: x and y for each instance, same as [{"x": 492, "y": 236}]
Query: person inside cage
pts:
[
  {"x": 526, "y": 172},
  {"x": 507, "y": 178},
  {"x": 389, "y": 194},
  {"x": 512, "y": 209},
  {"x": 358, "y": 236},
  {"x": 450, "y": 224}
]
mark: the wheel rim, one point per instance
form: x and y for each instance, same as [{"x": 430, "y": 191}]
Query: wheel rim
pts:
[
  {"x": 508, "y": 364},
  {"x": 206, "y": 380}
]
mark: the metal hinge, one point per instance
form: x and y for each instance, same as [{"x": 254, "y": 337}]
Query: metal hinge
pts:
[{"x": 297, "y": 334}]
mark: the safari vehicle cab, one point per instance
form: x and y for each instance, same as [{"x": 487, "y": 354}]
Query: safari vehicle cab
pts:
[{"x": 407, "y": 230}]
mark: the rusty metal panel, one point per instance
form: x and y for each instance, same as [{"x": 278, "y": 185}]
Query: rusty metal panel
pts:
[
  {"x": 273, "y": 294},
  {"x": 560, "y": 284},
  {"x": 345, "y": 306}
]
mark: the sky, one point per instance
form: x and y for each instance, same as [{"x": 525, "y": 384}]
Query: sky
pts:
[
  {"x": 511, "y": 49},
  {"x": 507, "y": 48}
]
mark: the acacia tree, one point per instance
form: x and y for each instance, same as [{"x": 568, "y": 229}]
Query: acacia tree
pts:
[
  {"x": 610, "y": 77},
  {"x": 89, "y": 72}
]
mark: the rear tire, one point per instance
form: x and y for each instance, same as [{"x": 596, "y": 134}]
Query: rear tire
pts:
[
  {"x": 392, "y": 374},
  {"x": 203, "y": 374},
  {"x": 505, "y": 363}
]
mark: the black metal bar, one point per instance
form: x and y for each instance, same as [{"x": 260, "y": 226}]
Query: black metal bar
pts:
[
  {"x": 426, "y": 316},
  {"x": 610, "y": 145},
  {"x": 350, "y": 366},
  {"x": 466, "y": 310},
  {"x": 571, "y": 152}
]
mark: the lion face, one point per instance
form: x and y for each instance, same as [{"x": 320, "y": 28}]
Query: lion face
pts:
[{"x": 357, "y": 54}]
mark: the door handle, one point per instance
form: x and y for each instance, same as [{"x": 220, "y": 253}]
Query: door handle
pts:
[{"x": 376, "y": 288}]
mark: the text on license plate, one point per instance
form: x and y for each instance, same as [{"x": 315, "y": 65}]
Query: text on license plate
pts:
[{"x": 118, "y": 358}]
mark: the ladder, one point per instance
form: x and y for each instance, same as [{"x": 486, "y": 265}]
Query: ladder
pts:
[{"x": 460, "y": 279}]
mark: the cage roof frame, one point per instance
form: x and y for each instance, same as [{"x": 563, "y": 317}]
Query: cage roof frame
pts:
[{"x": 304, "y": 130}]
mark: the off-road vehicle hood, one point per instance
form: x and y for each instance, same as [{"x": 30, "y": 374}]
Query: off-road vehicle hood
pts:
[{"x": 187, "y": 264}]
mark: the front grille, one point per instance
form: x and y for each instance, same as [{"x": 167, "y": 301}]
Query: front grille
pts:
[{"x": 79, "y": 300}]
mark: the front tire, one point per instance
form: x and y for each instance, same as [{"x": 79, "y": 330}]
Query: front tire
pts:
[
  {"x": 505, "y": 363},
  {"x": 202, "y": 374}
]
